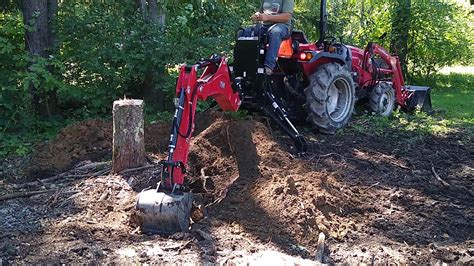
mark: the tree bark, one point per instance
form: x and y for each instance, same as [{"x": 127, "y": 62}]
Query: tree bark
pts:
[
  {"x": 400, "y": 30},
  {"x": 142, "y": 5},
  {"x": 40, "y": 42},
  {"x": 128, "y": 135},
  {"x": 157, "y": 13},
  {"x": 161, "y": 15},
  {"x": 153, "y": 10}
]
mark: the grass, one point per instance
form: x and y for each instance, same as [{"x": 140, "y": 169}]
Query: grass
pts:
[
  {"x": 455, "y": 94},
  {"x": 453, "y": 104}
]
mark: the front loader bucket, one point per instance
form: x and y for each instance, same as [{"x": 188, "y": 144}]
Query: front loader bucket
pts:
[
  {"x": 420, "y": 98},
  {"x": 163, "y": 212}
]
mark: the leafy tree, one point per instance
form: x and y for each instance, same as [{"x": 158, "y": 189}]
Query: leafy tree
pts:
[
  {"x": 400, "y": 30},
  {"x": 41, "y": 44},
  {"x": 440, "y": 34},
  {"x": 106, "y": 49}
]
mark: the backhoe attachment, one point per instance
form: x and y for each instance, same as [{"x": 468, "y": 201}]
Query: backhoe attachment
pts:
[{"x": 167, "y": 208}]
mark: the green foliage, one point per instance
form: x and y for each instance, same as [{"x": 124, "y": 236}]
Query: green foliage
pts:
[
  {"x": 441, "y": 34},
  {"x": 13, "y": 96},
  {"x": 107, "y": 49},
  {"x": 204, "y": 28}
]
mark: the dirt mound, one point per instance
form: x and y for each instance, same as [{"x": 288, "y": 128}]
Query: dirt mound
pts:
[
  {"x": 265, "y": 189},
  {"x": 92, "y": 140},
  {"x": 88, "y": 140}
]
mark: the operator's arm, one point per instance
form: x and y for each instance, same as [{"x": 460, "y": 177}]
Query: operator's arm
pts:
[{"x": 277, "y": 18}]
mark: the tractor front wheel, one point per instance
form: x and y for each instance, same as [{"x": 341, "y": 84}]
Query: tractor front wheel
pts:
[
  {"x": 382, "y": 99},
  {"x": 330, "y": 97}
]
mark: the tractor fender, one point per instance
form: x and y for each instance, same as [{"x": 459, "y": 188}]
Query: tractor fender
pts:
[{"x": 343, "y": 56}]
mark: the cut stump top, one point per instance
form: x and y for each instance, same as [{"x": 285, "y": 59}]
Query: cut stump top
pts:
[{"x": 128, "y": 102}]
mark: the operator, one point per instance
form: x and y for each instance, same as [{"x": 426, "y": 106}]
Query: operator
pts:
[{"x": 276, "y": 17}]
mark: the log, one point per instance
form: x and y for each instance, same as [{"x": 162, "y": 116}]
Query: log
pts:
[
  {"x": 24, "y": 194},
  {"x": 128, "y": 136}
]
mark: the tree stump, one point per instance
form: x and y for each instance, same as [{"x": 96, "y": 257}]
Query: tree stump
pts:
[{"x": 129, "y": 138}]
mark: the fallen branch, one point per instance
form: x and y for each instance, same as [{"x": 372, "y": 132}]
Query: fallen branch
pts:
[
  {"x": 24, "y": 194},
  {"x": 444, "y": 183},
  {"x": 98, "y": 173},
  {"x": 92, "y": 165},
  {"x": 203, "y": 234},
  {"x": 179, "y": 246},
  {"x": 325, "y": 156},
  {"x": 371, "y": 186},
  {"x": 44, "y": 181},
  {"x": 136, "y": 169},
  {"x": 400, "y": 165},
  {"x": 39, "y": 182}
]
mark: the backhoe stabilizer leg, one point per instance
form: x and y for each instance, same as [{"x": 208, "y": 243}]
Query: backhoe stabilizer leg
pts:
[{"x": 279, "y": 115}]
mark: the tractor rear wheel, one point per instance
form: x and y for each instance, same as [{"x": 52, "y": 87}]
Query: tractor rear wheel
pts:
[
  {"x": 330, "y": 98},
  {"x": 382, "y": 99}
]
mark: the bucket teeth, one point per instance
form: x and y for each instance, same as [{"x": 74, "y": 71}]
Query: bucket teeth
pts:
[{"x": 163, "y": 212}]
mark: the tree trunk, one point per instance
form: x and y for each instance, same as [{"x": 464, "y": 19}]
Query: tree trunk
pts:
[
  {"x": 157, "y": 13},
  {"x": 40, "y": 42},
  {"x": 161, "y": 16},
  {"x": 142, "y": 5},
  {"x": 400, "y": 30},
  {"x": 128, "y": 136},
  {"x": 153, "y": 10}
]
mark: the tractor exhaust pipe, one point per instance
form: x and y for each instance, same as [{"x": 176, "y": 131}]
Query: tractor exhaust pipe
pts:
[{"x": 323, "y": 22}]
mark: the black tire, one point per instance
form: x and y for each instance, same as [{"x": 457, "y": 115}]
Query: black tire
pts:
[
  {"x": 382, "y": 99},
  {"x": 326, "y": 111}
]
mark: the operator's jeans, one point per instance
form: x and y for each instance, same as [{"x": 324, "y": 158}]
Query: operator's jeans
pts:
[{"x": 275, "y": 36}]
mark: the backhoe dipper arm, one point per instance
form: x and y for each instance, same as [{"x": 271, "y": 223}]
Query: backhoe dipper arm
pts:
[
  {"x": 395, "y": 69},
  {"x": 214, "y": 82}
]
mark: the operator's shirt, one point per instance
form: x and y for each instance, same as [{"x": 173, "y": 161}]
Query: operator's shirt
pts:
[{"x": 273, "y": 7}]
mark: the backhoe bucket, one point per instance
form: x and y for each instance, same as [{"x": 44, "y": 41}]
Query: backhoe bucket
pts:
[
  {"x": 420, "y": 98},
  {"x": 164, "y": 212}
]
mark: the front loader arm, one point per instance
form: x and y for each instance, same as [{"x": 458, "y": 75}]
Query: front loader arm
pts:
[
  {"x": 215, "y": 82},
  {"x": 394, "y": 70}
]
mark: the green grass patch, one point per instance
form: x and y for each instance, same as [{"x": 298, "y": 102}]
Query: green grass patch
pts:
[{"x": 454, "y": 94}]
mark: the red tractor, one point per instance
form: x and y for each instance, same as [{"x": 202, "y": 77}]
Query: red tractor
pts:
[{"x": 319, "y": 82}]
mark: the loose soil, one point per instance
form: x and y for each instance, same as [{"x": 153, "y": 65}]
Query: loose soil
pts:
[{"x": 376, "y": 198}]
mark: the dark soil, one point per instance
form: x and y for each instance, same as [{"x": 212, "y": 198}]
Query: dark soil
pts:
[{"x": 377, "y": 199}]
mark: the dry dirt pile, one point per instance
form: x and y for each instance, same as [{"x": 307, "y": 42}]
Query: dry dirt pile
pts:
[
  {"x": 267, "y": 190},
  {"x": 88, "y": 140}
]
